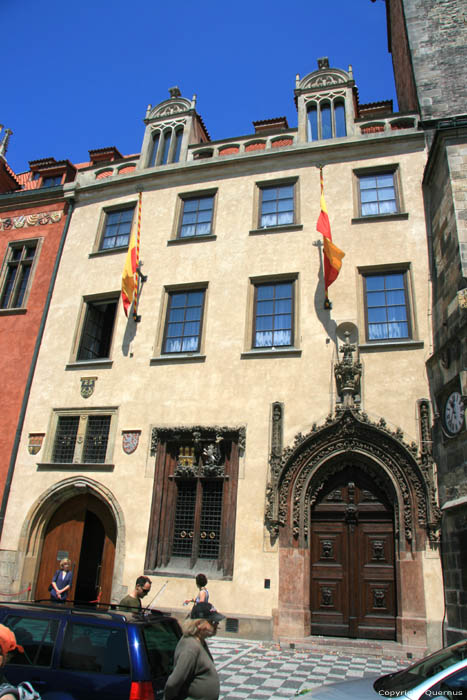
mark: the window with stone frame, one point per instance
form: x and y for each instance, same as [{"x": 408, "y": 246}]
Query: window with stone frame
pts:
[
  {"x": 184, "y": 321},
  {"x": 273, "y": 314},
  {"x": 277, "y": 205},
  {"x": 194, "y": 499},
  {"x": 387, "y": 309},
  {"x": 17, "y": 273},
  {"x": 196, "y": 217},
  {"x": 81, "y": 437},
  {"x": 96, "y": 332},
  {"x": 116, "y": 228},
  {"x": 378, "y": 193}
]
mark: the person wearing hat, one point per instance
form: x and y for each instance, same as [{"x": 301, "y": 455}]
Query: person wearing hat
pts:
[
  {"x": 7, "y": 646},
  {"x": 194, "y": 676}
]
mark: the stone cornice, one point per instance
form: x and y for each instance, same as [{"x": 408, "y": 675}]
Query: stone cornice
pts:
[{"x": 299, "y": 155}]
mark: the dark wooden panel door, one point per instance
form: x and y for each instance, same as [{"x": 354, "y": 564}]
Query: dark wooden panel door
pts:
[
  {"x": 64, "y": 538},
  {"x": 352, "y": 561}
]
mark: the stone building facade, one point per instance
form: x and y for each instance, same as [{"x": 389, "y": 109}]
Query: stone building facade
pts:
[
  {"x": 428, "y": 40},
  {"x": 234, "y": 425}
]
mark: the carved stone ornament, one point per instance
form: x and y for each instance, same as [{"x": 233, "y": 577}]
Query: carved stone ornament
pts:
[
  {"x": 347, "y": 374},
  {"x": 22, "y": 221},
  {"x": 175, "y": 105},
  {"x": 35, "y": 442},
  {"x": 298, "y": 478},
  {"x": 462, "y": 299},
  {"x": 88, "y": 385},
  {"x": 198, "y": 435},
  {"x": 130, "y": 441}
]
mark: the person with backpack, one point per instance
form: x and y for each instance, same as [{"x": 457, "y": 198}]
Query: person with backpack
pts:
[{"x": 8, "y": 645}]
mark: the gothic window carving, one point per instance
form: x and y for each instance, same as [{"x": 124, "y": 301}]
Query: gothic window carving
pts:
[
  {"x": 326, "y": 118},
  {"x": 194, "y": 499}
]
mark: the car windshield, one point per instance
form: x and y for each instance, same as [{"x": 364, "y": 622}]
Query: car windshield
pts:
[
  {"x": 401, "y": 681},
  {"x": 161, "y": 638}
]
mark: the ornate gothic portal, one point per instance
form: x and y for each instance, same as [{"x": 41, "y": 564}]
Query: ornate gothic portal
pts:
[{"x": 354, "y": 509}]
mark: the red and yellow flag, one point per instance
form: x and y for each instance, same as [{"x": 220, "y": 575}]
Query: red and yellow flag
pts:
[
  {"x": 130, "y": 270},
  {"x": 332, "y": 254}
]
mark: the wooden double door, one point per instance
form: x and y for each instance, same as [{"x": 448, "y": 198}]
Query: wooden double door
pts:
[
  {"x": 81, "y": 529},
  {"x": 353, "y": 590}
]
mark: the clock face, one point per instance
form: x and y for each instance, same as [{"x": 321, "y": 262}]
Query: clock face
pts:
[{"x": 454, "y": 413}]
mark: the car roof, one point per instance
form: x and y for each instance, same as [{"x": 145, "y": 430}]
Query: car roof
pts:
[{"x": 104, "y": 611}]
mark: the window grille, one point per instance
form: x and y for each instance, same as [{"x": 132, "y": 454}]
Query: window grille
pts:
[
  {"x": 65, "y": 439},
  {"x": 184, "y": 519},
  {"x": 97, "y": 436},
  {"x": 211, "y": 518}
]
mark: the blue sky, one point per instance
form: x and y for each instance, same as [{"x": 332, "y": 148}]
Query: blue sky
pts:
[{"x": 78, "y": 76}]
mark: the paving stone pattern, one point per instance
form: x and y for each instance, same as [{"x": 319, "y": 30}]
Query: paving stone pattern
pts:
[{"x": 252, "y": 670}]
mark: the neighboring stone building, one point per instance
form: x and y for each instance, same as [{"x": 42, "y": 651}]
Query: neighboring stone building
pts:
[
  {"x": 239, "y": 428},
  {"x": 428, "y": 40}
]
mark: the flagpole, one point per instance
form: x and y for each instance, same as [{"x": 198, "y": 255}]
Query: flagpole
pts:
[
  {"x": 137, "y": 271},
  {"x": 327, "y": 303},
  {"x": 332, "y": 255}
]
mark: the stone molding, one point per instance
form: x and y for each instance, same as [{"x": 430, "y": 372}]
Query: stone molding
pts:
[{"x": 298, "y": 475}]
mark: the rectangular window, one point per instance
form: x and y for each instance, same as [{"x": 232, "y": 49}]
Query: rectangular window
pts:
[
  {"x": 386, "y": 306},
  {"x": 277, "y": 205},
  {"x": 273, "y": 314},
  {"x": 197, "y": 216},
  {"x": 51, "y": 181},
  {"x": 18, "y": 266},
  {"x": 97, "y": 330},
  {"x": 378, "y": 194},
  {"x": 82, "y": 438},
  {"x": 117, "y": 228},
  {"x": 184, "y": 321},
  {"x": 194, "y": 500}
]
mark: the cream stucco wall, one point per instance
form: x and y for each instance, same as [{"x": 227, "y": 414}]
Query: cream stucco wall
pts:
[{"x": 228, "y": 389}]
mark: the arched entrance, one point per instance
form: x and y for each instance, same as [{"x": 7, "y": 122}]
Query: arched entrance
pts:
[
  {"x": 352, "y": 579},
  {"x": 366, "y": 565},
  {"x": 83, "y": 530}
]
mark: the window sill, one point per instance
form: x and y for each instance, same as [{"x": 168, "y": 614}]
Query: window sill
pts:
[
  {"x": 399, "y": 216},
  {"x": 72, "y": 466},
  {"x": 12, "y": 312},
  {"x": 93, "y": 364},
  {"x": 391, "y": 345},
  {"x": 191, "y": 239},
  {"x": 179, "y": 567},
  {"x": 108, "y": 251},
  {"x": 270, "y": 352},
  {"x": 275, "y": 229},
  {"x": 181, "y": 357}
]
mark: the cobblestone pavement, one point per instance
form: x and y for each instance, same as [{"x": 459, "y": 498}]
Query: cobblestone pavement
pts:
[{"x": 249, "y": 669}]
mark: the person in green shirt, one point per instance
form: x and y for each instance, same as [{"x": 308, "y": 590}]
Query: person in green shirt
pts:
[{"x": 133, "y": 600}]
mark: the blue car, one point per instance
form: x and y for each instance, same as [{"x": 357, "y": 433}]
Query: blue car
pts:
[{"x": 80, "y": 653}]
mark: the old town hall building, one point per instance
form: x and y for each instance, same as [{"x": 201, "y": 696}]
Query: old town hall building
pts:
[{"x": 240, "y": 426}]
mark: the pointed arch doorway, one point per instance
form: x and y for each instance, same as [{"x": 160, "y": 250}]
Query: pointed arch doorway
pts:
[
  {"x": 353, "y": 592},
  {"x": 83, "y": 530}
]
